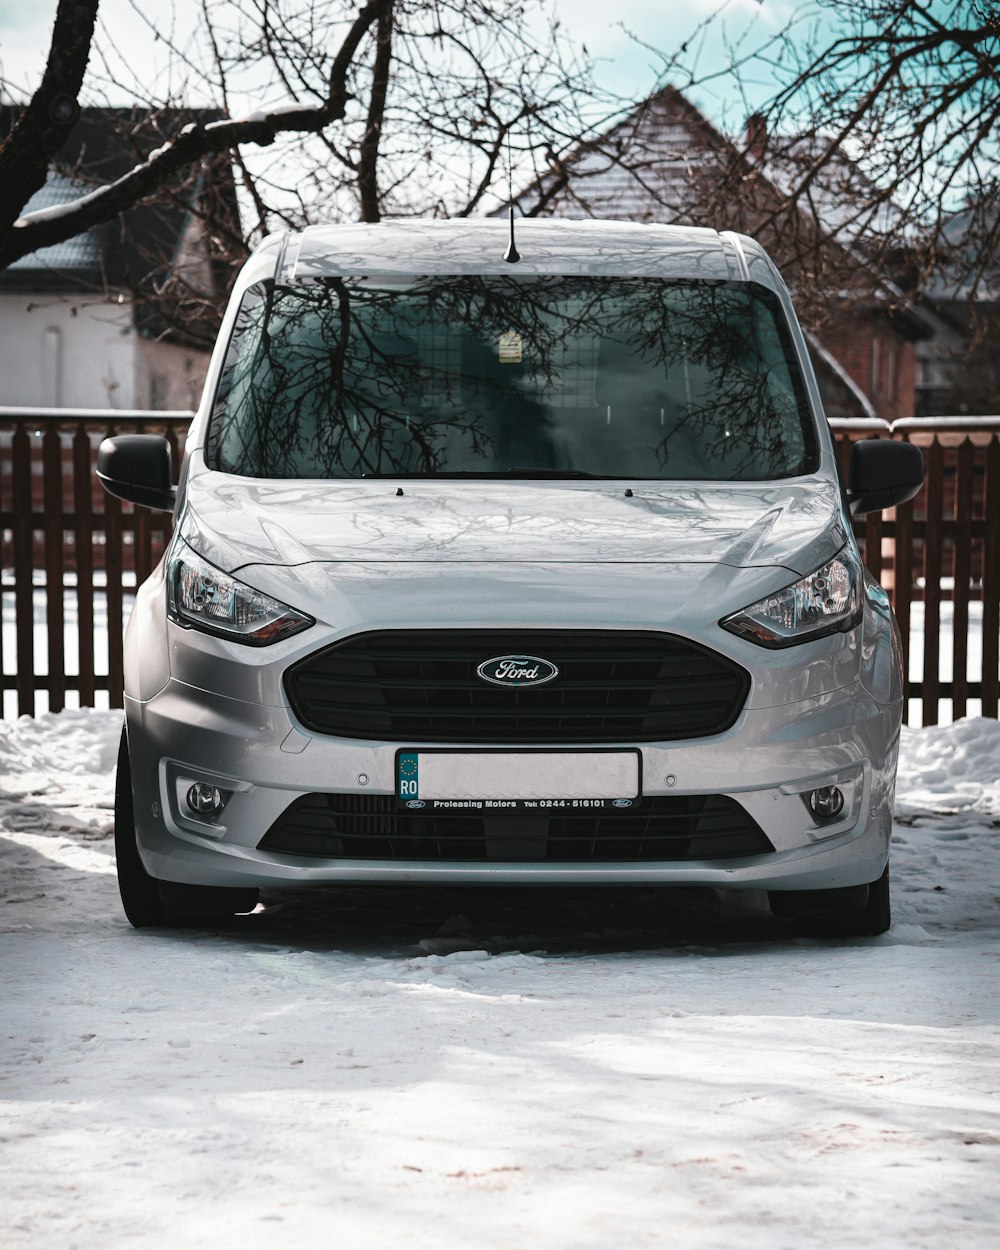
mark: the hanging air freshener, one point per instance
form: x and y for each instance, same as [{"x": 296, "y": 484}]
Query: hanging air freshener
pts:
[{"x": 510, "y": 348}]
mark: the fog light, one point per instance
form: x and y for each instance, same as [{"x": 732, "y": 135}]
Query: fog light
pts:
[
  {"x": 205, "y": 800},
  {"x": 826, "y": 802}
]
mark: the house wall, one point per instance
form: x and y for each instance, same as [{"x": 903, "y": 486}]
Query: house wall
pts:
[
  {"x": 960, "y": 366},
  {"x": 61, "y": 351},
  {"x": 880, "y": 361},
  {"x": 58, "y": 351},
  {"x": 169, "y": 375},
  {"x": 909, "y": 372}
]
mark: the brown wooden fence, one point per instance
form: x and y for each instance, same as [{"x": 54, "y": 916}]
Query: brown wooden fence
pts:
[{"x": 72, "y": 556}]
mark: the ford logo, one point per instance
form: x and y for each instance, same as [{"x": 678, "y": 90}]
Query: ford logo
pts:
[
  {"x": 415, "y": 804},
  {"x": 517, "y": 670},
  {"x": 622, "y": 802}
]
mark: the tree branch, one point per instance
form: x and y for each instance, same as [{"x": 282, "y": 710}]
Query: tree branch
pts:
[
  {"x": 53, "y": 225},
  {"x": 52, "y": 112}
]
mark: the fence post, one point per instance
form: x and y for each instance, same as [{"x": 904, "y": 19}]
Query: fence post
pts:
[
  {"x": 83, "y": 560},
  {"x": 991, "y": 581},
  {"x": 933, "y": 553},
  {"x": 55, "y": 605},
  {"x": 22, "y": 526},
  {"x": 964, "y": 496}
]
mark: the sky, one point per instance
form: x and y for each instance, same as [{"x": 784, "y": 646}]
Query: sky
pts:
[{"x": 625, "y": 64}]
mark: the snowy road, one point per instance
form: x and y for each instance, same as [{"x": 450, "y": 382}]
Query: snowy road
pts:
[{"x": 502, "y": 1070}]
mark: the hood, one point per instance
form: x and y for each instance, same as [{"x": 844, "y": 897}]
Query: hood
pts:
[{"x": 235, "y": 522}]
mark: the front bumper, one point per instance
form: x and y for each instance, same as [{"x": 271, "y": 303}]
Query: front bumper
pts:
[{"x": 765, "y": 762}]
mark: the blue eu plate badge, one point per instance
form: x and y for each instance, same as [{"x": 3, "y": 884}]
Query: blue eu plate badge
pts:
[{"x": 407, "y": 776}]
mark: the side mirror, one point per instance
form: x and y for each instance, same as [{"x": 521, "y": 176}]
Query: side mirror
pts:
[
  {"x": 883, "y": 473},
  {"x": 138, "y": 468}
]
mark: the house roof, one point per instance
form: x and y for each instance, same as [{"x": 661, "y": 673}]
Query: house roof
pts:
[
  {"x": 642, "y": 168},
  {"x": 79, "y": 256},
  {"x": 662, "y": 162},
  {"x": 138, "y": 250},
  {"x": 841, "y": 195},
  {"x": 963, "y": 277}
]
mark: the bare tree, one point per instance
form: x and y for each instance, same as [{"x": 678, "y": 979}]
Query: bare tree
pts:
[
  {"x": 882, "y": 128},
  {"x": 871, "y": 174},
  {"x": 889, "y": 134},
  {"x": 384, "y": 107},
  {"x": 888, "y": 128},
  {"x": 450, "y": 92}
]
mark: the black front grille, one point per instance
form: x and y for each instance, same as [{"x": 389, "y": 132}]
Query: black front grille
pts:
[
  {"x": 353, "y": 826},
  {"x": 418, "y": 686}
]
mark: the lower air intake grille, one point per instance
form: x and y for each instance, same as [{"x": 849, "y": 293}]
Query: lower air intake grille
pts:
[
  {"x": 352, "y": 826},
  {"x": 417, "y": 686}
]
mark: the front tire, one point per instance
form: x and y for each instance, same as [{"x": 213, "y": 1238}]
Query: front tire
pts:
[
  {"x": 855, "y": 911},
  {"x": 152, "y": 904},
  {"x": 139, "y": 891}
]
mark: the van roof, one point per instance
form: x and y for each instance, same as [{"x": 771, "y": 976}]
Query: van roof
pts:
[{"x": 546, "y": 246}]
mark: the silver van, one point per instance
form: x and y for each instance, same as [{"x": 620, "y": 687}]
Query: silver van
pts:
[{"x": 495, "y": 572}]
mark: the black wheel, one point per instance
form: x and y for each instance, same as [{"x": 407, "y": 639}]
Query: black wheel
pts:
[
  {"x": 854, "y": 911},
  {"x": 149, "y": 903},
  {"x": 204, "y": 904},
  {"x": 139, "y": 891}
]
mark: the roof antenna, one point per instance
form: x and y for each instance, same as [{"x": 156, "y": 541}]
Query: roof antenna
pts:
[{"x": 512, "y": 255}]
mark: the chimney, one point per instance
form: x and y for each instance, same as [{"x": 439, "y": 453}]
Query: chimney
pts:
[{"x": 755, "y": 136}]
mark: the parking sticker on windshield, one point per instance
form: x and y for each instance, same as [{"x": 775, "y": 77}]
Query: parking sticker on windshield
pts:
[{"x": 510, "y": 348}]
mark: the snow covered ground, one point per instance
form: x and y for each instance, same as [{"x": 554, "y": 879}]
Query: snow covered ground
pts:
[{"x": 506, "y": 1070}]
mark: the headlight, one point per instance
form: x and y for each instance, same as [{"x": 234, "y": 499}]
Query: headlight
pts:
[
  {"x": 202, "y": 596},
  {"x": 826, "y": 602}
]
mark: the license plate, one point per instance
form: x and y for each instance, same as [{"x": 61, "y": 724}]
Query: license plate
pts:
[{"x": 517, "y": 781}]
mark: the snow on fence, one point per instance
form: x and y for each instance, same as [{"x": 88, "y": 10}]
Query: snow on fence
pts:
[{"x": 72, "y": 556}]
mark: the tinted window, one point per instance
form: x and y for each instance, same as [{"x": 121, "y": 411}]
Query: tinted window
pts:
[{"x": 550, "y": 376}]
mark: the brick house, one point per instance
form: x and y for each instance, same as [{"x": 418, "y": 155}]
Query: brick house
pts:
[
  {"x": 124, "y": 315},
  {"x": 666, "y": 162}
]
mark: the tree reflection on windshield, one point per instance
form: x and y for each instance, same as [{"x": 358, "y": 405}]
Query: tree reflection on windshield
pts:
[{"x": 490, "y": 375}]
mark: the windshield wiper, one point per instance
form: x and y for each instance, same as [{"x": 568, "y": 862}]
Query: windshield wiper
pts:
[{"x": 550, "y": 474}]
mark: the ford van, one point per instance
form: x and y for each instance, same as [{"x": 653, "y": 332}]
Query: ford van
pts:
[{"x": 526, "y": 567}]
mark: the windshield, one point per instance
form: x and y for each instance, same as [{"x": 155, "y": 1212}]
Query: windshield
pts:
[{"x": 482, "y": 376}]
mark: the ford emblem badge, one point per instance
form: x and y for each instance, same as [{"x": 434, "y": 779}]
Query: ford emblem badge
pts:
[
  {"x": 517, "y": 670},
  {"x": 622, "y": 802},
  {"x": 415, "y": 804}
]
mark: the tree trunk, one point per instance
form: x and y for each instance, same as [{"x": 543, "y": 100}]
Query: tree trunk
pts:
[
  {"x": 368, "y": 163},
  {"x": 45, "y": 124}
]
